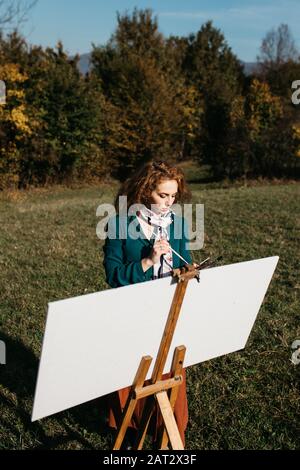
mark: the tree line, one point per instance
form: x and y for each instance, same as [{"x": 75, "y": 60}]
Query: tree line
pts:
[{"x": 147, "y": 97}]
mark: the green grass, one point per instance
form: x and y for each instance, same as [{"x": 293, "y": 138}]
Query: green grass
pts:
[{"x": 49, "y": 251}]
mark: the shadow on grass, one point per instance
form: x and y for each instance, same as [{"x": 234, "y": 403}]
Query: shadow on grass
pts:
[{"x": 18, "y": 377}]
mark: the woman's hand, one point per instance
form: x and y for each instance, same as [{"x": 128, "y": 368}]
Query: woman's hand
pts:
[{"x": 160, "y": 247}]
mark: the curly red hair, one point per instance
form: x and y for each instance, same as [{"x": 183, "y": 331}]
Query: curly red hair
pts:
[{"x": 139, "y": 186}]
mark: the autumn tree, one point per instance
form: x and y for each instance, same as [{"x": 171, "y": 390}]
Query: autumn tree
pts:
[
  {"x": 211, "y": 67},
  {"x": 16, "y": 126},
  {"x": 70, "y": 110},
  {"x": 66, "y": 140},
  {"x": 259, "y": 140},
  {"x": 278, "y": 47},
  {"x": 153, "y": 108},
  {"x": 279, "y": 63}
]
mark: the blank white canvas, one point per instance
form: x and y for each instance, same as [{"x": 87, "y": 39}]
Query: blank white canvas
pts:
[{"x": 93, "y": 344}]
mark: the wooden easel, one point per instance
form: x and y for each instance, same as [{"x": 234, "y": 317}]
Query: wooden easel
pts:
[{"x": 158, "y": 388}]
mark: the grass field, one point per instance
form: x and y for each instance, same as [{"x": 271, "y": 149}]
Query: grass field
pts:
[{"x": 49, "y": 251}]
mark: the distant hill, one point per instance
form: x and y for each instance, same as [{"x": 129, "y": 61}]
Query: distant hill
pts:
[
  {"x": 249, "y": 67},
  {"x": 84, "y": 65}
]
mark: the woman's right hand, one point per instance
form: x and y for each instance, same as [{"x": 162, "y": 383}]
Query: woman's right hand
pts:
[{"x": 160, "y": 247}]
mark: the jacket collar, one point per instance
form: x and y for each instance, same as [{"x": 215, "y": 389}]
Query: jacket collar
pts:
[{"x": 143, "y": 239}]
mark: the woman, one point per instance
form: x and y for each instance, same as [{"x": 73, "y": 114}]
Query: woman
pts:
[{"x": 155, "y": 187}]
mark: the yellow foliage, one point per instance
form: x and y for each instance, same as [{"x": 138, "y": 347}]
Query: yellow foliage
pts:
[
  {"x": 296, "y": 131},
  {"x": 264, "y": 108},
  {"x": 14, "y": 111},
  {"x": 16, "y": 124},
  {"x": 11, "y": 73},
  {"x": 20, "y": 119},
  {"x": 18, "y": 94}
]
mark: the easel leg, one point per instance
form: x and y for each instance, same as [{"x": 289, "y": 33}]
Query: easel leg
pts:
[
  {"x": 169, "y": 420},
  {"x": 131, "y": 402},
  {"x": 176, "y": 369},
  {"x": 146, "y": 416},
  {"x": 161, "y": 396}
]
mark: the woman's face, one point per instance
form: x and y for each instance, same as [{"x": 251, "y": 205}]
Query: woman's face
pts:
[{"x": 163, "y": 196}]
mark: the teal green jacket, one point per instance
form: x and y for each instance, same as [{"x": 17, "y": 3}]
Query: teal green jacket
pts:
[{"x": 123, "y": 255}]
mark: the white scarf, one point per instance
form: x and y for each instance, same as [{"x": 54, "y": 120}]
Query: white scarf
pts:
[{"x": 160, "y": 222}]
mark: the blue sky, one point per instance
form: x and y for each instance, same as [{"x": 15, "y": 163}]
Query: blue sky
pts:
[{"x": 78, "y": 23}]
